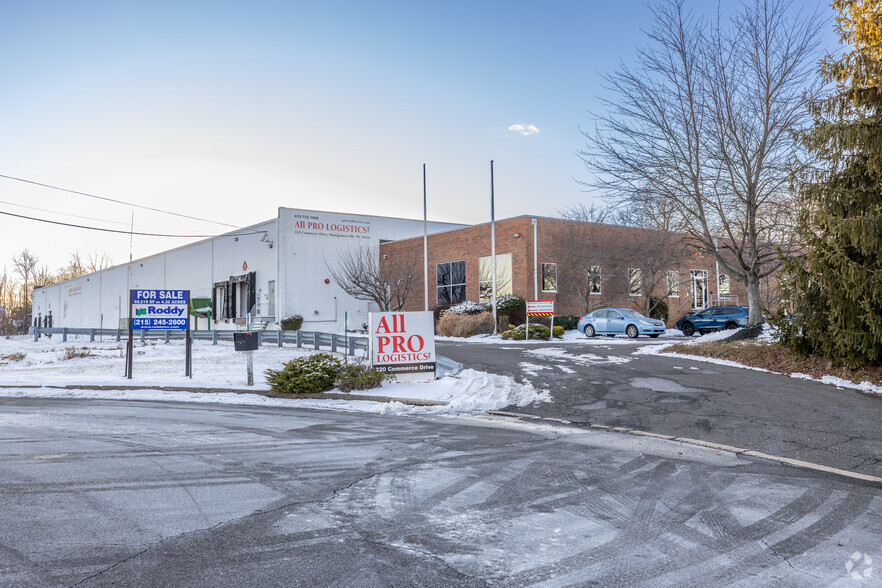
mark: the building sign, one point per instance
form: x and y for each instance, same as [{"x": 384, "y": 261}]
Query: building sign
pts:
[
  {"x": 403, "y": 343},
  {"x": 321, "y": 226},
  {"x": 74, "y": 289},
  {"x": 159, "y": 309},
  {"x": 540, "y": 307}
]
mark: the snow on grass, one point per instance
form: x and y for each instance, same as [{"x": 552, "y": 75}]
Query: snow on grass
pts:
[
  {"x": 219, "y": 366},
  {"x": 569, "y": 337}
]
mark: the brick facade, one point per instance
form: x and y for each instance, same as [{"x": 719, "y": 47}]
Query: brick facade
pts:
[{"x": 573, "y": 246}]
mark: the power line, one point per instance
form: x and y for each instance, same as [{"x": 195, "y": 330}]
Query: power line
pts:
[
  {"x": 103, "y": 220},
  {"x": 115, "y": 201},
  {"x": 43, "y": 220}
]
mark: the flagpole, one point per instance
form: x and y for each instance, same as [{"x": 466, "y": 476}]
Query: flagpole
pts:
[
  {"x": 493, "y": 246},
  {"x": 425, "y": 245}
]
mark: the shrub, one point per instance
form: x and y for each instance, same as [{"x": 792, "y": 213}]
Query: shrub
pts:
[
  {"x": 536, "y": 332},
  {"x": 557, "y": 331},
  {"x": 292, "y": 323},
  {"x": 510, "y": 303},
  {"x": 468, "y": 307},
  {"x": 74, "y": 353},
  {"x": 465, "y": 325},
  {"x": 314, "y": 373},
  {"x": 356, "y": 376},
  {"x": 568, "y": 322},
  {"x": 14, "y": 356},
  {"x": 659, "y": 309},
  {"x": 506, "y": 335}
]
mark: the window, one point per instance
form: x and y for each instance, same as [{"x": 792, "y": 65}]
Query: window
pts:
[
  {"x": 698, "y": 288},
  {"x": 635, "y": 281},
  {"x": 549, "y": 277},
  {"x": 674, "y": 284},
  {"x": 594, "y": 279},
  {"x": 485, "y": 277},
  {"x": 450, "y": 280},
  {"x": 724, "y": 285}
]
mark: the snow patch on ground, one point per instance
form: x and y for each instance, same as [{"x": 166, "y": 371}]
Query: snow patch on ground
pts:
[
  {"x": 219, "y": 366},
  {"x": 587, "y": 358}
]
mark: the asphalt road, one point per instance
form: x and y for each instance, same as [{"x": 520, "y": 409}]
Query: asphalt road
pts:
[
  {"x": 101, "y": 493},
  {"x": 602, "y": 382}
]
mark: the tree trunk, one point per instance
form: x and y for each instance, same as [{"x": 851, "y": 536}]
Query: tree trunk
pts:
[{"x": 754, "y": 301}]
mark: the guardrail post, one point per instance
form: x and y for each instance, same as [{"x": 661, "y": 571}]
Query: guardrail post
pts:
[
  {"x": 299, "y": 339},
  {"x": 214, "y": 336},
  {"x": 315, "y": 340},
  {"x": 281, "y": 336},
  {"x": 351, "y": 346},
  {"x": 64, "y": 335},
  {"x": 118, "y": 333},
  {"x": 259, "y": 338},
  {"x": 333, "y": 343},
  {"x": 91, "y": 335},
  {"x": 143, "y": 335},
  {"x": 36, "y": 334},
  {"x": 166, "y": 335}
]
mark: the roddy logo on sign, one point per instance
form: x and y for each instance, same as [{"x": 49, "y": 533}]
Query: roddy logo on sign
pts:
[{"x": 403, "y": 343}]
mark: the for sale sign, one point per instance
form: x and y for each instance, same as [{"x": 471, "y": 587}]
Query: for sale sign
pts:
[
  {"x": 403, "y": 343},
  {"x": 160, "y": 309}
]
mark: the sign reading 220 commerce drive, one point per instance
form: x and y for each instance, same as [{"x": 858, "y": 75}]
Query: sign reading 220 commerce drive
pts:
[
  {"x": 159, "y": 309},
  {"x": 403, "y": 343}
]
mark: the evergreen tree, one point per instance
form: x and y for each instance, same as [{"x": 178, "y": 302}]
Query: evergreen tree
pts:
[{"x": 837, "y": 283}]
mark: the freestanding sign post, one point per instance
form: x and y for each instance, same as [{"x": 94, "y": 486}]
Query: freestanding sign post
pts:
[
  {"x": 402, "y": 344},
  {"x": 160, "y": 309},
  {"x": 539, "y": 308}
]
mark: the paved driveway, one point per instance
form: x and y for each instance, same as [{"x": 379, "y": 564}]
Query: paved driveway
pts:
[{"x": 603, "y": 382}]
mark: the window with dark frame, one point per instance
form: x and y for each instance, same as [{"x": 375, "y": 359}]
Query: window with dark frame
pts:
[
  {"x": 450, "y": 278},
  {"x": 549, "y": 277}
]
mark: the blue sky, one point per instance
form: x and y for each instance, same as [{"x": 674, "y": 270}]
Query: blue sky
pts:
[{"x": 228, "y": 110}]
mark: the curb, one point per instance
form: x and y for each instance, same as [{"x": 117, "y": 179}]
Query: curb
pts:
[
  {"x": 710, "y": 445},
  {"x": 267, "y": 393}
]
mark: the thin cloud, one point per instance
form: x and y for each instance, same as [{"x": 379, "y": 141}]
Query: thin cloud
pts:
[{"x": 525, "y": 130}]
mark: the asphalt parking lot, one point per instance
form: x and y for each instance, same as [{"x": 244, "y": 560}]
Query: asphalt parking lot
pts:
[{"x": 100, "y": 493}]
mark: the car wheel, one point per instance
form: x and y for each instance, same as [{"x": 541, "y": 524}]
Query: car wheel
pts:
[
  {"x": 731, "y": 326},
  {"x": 688, "y": 329},
  {"x": 589, "y": 331},
  {"x": 632, "y": 331},
  {"x": 654, "y": 336}
]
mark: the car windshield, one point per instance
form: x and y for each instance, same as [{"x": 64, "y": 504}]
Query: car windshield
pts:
[{"x": 632, "y": 314}]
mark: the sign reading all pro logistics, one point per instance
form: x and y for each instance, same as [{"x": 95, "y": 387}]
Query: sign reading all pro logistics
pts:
[
  {"x": 160, "y": 309},
  {"x": 403, "y": 343}
]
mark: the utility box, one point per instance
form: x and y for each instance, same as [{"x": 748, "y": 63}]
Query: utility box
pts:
[{"x": 245, "y": 341}]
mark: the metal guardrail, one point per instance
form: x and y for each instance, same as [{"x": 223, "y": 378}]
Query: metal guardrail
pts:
[{"x": 310, "y": 339}]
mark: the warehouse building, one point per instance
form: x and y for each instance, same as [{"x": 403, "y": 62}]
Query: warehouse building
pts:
[{"x": 264, "y": 272}]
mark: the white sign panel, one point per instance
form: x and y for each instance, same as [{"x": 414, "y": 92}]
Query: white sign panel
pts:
[
  {"x": 540, "y": 307},
  {"x": 403, "y": 343}
]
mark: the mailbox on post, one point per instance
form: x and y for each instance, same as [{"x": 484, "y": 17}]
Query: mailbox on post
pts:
[{"x": 245, "y": 341}]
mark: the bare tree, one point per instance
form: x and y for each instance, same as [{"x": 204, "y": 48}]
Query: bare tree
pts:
[
  {"x": 358, "y": 274},
  {"x": 25, "y": 265},
  {"x": 98, "y": 261},
  {"x": 701, "y": 127}
]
